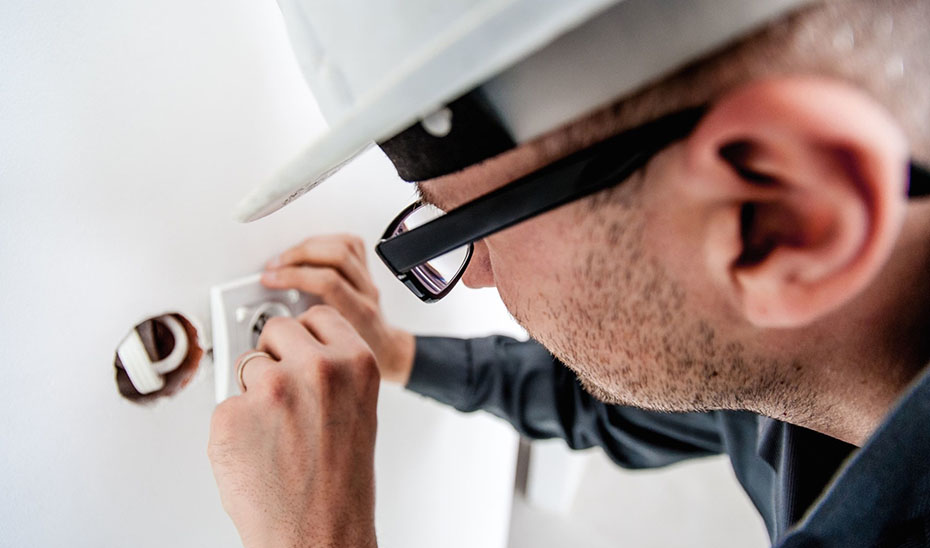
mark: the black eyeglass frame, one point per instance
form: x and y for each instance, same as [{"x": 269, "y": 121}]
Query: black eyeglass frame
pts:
[
  {"x": 600, "y": 166},
  {"x": 408, "y": 278},
  {"x": 603, "y": 165}
]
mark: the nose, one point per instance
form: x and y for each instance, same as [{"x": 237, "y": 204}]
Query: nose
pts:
[{"x": 479, "y": 272}]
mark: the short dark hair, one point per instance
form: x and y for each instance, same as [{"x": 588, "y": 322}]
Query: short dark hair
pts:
[{"x": 880, "y": 46}]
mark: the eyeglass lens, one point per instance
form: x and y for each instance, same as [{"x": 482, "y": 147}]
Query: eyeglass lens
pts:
[{"x": 436, "y": 274}]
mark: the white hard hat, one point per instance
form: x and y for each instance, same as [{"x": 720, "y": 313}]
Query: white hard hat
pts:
[{"x": 504, "y": 70}]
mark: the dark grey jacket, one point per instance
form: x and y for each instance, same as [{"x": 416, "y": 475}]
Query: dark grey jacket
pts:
[{"x": 812, "y": 490}]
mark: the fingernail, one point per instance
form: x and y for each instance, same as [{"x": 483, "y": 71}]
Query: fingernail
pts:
[
  {"x": 274, "y": 262},
  {"x": 270, "y": 276}
]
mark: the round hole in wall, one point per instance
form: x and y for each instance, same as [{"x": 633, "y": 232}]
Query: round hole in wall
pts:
[{"x": 157, "y": 358}]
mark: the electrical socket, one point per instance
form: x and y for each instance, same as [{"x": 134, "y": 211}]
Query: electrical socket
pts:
[{"x": 240, "y": 309}]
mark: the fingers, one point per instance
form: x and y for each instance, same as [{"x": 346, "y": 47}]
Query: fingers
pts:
[
  {"x": 254, "y": 369},
  {"x": 306, "y": 336},
  {"x": 345, "y": 254},
  {"x": 343, "y": 345},
  {"x": 332, "y": 288},
  {"x": 286, "y": 337},
  {"x": 330, "y": 326},
  {"x": 292, "y": 346},
  {"x": 319, "y": 351}
]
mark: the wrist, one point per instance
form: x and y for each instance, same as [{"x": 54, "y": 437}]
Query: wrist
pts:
[
  {"x": 341, "y": 537},
  {"x": 404, "y": 344}
]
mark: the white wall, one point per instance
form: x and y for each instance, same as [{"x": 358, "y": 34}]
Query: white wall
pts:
[
  {"x": 695, "y": 503},
  {"x": 127, "y": 132}
]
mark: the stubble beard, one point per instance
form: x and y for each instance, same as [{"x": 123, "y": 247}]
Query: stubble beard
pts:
[{"x": 624, "y": 328}]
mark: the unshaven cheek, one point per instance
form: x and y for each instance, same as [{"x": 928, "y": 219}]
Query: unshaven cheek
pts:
[
  {"x": 683, "y": 234},
  {"x": 531, "y": 265}
]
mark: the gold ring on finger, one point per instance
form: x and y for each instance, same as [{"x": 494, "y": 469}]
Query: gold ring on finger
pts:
[{"x": 244, "y": 360}]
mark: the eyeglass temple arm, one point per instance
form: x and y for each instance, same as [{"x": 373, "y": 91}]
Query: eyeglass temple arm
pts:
[
  {"x": 573, "y": 177},
  {"x": 578, "y": 175},
  {"x": 919, "y": 181}
]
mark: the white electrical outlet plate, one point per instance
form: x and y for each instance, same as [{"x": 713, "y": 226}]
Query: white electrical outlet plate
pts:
[{"x": 239, "y": 309}]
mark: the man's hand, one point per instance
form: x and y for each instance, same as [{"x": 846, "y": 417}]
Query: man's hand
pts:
[
  {"x": 293, "y": 456},
  {"x": 333, "y": 267}
]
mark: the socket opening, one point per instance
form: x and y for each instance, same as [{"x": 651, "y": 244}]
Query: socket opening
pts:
[
  {"x": 158, "y": 341},
  {"x": 262, "y": 314}
]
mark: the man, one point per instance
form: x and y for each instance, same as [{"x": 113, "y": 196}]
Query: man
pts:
[{"x": 762, "y": 273}]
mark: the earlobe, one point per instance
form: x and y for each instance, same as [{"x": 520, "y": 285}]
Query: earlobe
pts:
[{"x": 811, "y": 174}]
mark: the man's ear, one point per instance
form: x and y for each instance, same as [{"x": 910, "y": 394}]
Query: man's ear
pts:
[{"x": 811, "y": 173}]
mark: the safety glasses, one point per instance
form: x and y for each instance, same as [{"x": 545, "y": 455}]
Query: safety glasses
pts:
[{"x": 428, "y": 250}]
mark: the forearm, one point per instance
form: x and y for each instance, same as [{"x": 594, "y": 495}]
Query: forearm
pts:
[{"x": 338, "y": 537}]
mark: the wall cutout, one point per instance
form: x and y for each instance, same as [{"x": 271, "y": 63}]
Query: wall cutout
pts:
[{"x": 157, "y": 358}]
